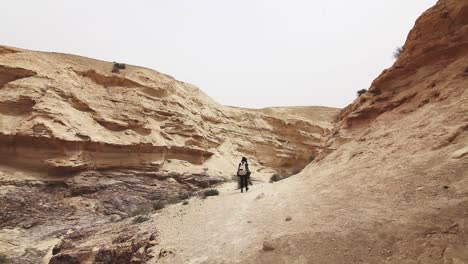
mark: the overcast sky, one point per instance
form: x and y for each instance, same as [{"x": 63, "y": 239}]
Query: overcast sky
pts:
[{"x": 252, "y": 53}]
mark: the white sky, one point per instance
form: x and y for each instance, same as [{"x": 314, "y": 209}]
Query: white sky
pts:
[{"x": 251, "y": 53}]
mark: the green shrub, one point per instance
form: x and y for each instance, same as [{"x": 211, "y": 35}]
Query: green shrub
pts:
[
  {"x": 361, "y": 92},
  {"x": 140, "y": 219},
  {"x": 120, "y": 66},
  {"x": 211, "y": 192}
]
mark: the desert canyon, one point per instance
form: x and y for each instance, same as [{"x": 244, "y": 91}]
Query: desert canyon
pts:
[{"x": 106, "y": 164}]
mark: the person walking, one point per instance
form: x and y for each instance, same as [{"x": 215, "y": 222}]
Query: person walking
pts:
[{"x": 243, "y": 172}]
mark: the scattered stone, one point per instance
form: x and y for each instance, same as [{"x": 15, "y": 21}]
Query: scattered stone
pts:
[
  {"x": 136, "y": 260},
  {"x": 267, "y": 246},
  {"x": 152, "y": 243},
  {"x": 452, "y": 229},
  {"x": 56, "y": 249},
  {"x": 115, "y": 218},
  {"x": 460, "y": 153},
  {"x": 288, "y": 218},
  {"x": 165, "y": 252},
  {"x": 445, "y": 187},
  {"x": 260, "y": 196}
]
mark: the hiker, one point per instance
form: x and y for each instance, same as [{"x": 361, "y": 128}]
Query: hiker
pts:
[{"x": 244, "y": 174}]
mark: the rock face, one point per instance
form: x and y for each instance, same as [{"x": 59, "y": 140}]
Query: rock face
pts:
[
  {"x": 83, "y": 142},
  {"x": 434, "y": 52},
  {"x": 64, "y": 113}
]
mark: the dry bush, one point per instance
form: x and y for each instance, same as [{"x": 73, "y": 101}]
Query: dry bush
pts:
[
  {"x": 361, "y": 92},
  {"x": 210, "y": 192},
  {"x": 397, "y": 53},
  {"x": 158, "y": 205},
  {"x": 117, "y": 67}
]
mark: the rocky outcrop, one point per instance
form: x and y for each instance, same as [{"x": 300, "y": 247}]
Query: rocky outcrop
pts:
[
  {"x": 68, "y": 113},
  {"x": 58, "y": 156},
  {"x": 9, "y": 74},
  {"x": 435, "y": 51},
  {"x": 84, "y": 146}
]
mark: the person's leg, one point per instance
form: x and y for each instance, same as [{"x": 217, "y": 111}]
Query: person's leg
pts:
[{"x": 243, "y": 183}]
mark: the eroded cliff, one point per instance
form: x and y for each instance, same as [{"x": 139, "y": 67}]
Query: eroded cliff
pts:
[{"x": 83, "y": 142}]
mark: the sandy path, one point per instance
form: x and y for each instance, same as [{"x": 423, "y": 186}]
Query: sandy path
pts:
[
  {"x": 221, "y": 226},
  {"x": 232, "y": 226}
]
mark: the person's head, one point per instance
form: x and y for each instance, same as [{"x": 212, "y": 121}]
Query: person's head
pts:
[{"x": 244, "y": 160}]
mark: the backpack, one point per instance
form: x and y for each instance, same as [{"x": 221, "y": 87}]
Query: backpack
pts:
[{"x": 242, "y": 170}]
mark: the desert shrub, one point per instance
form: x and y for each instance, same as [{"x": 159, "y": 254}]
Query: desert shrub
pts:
[
  {"x": 140, "y": 219},
  {"x": 397, "y": 53},
  {"x": 361, "y": 92},
  {"x": 311, "y": 158},
  {"x": 3, "y": 259},
  {"x": 211, "y": 192},
  {"x": 275, "y": 178},
  {"x": 174, "y": 200},
  {"x": 158, "y": 205},
  {"x": 117, "y": 67},
  {"x": 120, "y": 66},
  {"x": 185, "y": 202}
]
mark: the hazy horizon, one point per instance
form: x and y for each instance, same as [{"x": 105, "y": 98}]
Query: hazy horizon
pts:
[{"x": 241, "y": 53}]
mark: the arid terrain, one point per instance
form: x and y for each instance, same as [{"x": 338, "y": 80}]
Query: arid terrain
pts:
[{"x": 108, "y": 163}]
